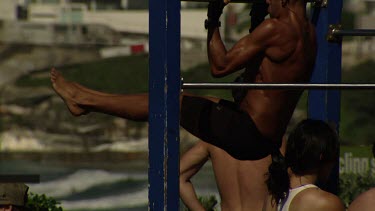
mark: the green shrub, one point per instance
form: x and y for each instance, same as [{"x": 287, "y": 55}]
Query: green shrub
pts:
[
  {"x": 42, "y": 203},
  {"x": 208, "y": 202}
]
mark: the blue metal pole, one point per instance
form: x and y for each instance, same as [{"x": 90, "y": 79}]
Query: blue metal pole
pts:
[
  {"x": 164, "y": 90},
  {"x": 325, "y": 104},
  {"x": 173, "y": 102}
]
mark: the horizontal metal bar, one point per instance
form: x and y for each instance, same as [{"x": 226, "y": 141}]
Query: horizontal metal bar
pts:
[
  {"x": 242, "y": 1},
  {"x": 275, "y": 86},
  {"x": 232, "y": 1},
  {"x": 354, "y": 32}
]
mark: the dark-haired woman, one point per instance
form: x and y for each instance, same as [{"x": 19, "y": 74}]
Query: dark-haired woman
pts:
[{"x": 311, "y": 151}]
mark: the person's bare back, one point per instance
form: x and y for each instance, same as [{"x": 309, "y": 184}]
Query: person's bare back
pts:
[{"x": 240, "y": 183}]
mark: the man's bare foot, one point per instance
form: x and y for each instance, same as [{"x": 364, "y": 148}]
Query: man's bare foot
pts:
[{"x": 68, "y": 92}]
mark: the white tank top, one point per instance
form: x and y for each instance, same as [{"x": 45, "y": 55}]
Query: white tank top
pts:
[{"x": 284, "y": 204}]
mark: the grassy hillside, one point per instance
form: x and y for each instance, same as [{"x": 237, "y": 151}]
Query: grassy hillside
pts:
[
  {"x": 357, "y": 106},
  {"x": 117, "y": 75},
  {"x": 122, "y": 75}
]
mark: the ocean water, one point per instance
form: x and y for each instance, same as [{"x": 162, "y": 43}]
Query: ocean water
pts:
[{"x": 99, "y": 187}]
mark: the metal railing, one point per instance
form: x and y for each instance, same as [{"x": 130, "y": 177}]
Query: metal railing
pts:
[
  {"x": 245, "y": 1},
  {"x": 348, "y": 86},
  {"x": 353, "y": 32}
]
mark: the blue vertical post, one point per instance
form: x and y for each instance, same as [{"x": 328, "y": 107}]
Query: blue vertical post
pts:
[
  {"x": 164, "y": 90},
  {"x": 324, "y": 104}
]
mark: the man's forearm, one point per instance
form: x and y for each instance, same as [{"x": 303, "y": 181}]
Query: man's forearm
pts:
[
  {"x": 215, "y": 46},
  {"x": 216, "y": 51}
]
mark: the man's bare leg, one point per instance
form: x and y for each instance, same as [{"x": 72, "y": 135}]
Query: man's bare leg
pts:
[{"x": 81, "y": 100}]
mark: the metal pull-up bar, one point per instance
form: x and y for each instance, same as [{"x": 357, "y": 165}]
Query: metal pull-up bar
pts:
[
  {"x": 336, "y": 32},
  {"x": 232, "y": 1},
  {"x": 245, "y": 1},
  {"x": 350, "y": 86},
  {"x": 353, "y": 32}
]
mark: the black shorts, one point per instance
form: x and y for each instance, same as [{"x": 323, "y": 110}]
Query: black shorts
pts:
[{"x": 224, "y": 125}]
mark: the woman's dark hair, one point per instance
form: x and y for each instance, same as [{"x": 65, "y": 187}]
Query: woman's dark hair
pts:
[{"x": 311, "y": 144}]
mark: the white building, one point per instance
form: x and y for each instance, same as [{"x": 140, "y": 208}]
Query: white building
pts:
[
  {"x": 366, "y": 19},
  {"x": 125, "y": 16},
  {"x": 8, "y": 9}
]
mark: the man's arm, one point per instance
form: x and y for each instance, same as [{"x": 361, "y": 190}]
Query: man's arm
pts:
[
  {"x": 190, "y": 163},
  {"x": 248, "y": 49}
]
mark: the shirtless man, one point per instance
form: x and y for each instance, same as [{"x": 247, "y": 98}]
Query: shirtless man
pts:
[{"x": 280, "y": 50}]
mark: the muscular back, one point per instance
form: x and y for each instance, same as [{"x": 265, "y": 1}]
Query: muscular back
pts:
[
  {"x": 289, "y": 59},
  {"x": 240, "y": 183}
]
